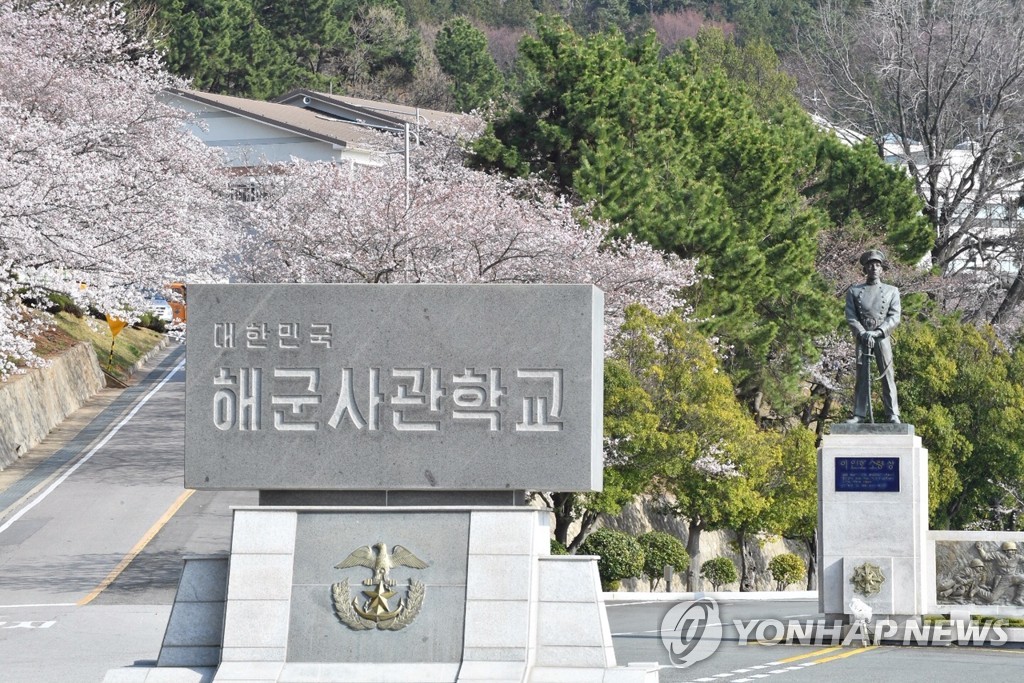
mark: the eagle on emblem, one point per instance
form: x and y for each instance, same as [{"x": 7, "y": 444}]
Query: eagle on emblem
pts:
[{"x": 381, "y": 562}]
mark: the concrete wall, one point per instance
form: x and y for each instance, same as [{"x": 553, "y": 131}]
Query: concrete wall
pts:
[{"x": 34, "y": 403}]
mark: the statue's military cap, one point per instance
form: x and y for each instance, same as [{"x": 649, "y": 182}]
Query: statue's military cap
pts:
[{"x": 871, "y": 255}]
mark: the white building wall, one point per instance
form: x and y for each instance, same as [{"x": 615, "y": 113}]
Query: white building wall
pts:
[{"x": 247, "y": 142}]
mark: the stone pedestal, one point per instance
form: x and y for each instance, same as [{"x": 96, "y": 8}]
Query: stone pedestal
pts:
[
  {"x": 488, "y": 604},
  {"x": 873, "y": 520}
]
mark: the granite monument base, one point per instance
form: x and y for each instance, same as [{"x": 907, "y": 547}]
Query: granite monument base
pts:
[
  {"x": 354, "y": 595},
  {"x": 873, "y": 520}
]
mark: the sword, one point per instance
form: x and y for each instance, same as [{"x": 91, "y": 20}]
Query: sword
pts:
[{"x": 864, "y": 358}]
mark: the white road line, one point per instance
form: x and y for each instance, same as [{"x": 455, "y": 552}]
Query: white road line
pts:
[
  {"x": 658, "y": 630},
  {"x": 623, "y": 603},
  {"x": 60, "y": 480},
  {"x": 49, "y": 604}
]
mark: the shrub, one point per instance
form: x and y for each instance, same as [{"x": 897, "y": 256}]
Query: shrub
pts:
[
  {"x": 557, "y": 548},
  {"x": 60, "y": 302},
  {"x": 621, "y": 556},
  {"x": 662, "y": 549},
  {"x": 151, "y": 321},
  {"x": 719, "y": 571},
  {"x": 786, "y": 569}
]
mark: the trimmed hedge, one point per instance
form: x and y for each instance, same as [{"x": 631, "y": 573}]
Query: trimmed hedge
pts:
[
  {"x": 662, "y": 549},
  {"x": 621, "y": 556},
  {"x": 786, "y": 569}
]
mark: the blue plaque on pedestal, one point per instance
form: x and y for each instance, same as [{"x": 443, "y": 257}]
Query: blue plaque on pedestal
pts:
[{"x": 868, "y": 474}]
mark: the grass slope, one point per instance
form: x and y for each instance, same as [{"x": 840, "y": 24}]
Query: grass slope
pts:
[{"x": 129, "y": 346}]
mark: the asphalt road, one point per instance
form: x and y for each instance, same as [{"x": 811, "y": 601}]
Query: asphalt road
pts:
[
  {"x": 92, "y": 536},
  {"x": 636, "y": 630},
  {"x": 91, "y": 548}
]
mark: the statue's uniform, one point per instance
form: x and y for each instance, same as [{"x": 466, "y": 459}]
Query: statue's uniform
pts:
[{"x": 872, "y": 307}]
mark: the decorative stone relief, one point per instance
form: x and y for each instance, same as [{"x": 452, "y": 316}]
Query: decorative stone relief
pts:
[
  {"x": 979, "y": 573},
  {"x": 867, "y": 579}
]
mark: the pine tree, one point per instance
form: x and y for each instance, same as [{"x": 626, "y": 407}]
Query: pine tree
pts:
[
  {"x": 678, "y": 155},
  {"x": 462, "y": 52}
]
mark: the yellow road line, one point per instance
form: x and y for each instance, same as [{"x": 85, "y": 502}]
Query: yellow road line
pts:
[
  {"x": 854, "y": 651},
  {"x": 809, "y": 654},
  {"x": 139, "y": 547}
]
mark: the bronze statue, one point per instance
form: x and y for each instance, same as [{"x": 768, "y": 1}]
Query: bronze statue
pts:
[{"x": 872, "y": 311}]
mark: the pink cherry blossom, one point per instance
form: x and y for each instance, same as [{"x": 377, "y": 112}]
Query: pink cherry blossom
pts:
[
  {"x": 102, "y": 192},
  {"x": 319, "y": 222}
]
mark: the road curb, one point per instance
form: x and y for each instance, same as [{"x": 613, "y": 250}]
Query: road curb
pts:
[{"x": 720, "y": 596}]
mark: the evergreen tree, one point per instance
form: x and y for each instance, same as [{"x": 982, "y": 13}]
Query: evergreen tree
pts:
[
  {"x": 862, "y": 194},
  {"x": 677, "y": 155},
  {"x": 462, "y": 52},
  {"x": 706, "y": 154},
  {"x": 266, "y": 70},
  {"x": 305, "y": 29},
  {"x": 222, "y": 46}
]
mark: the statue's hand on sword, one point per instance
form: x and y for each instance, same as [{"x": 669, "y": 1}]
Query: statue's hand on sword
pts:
[{"x": 868, "y": 338}]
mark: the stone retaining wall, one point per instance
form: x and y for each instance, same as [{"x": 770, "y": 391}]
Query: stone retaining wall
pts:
[
  {"x": 644, "y": 514},
  {"x": 34, "y": 403}
]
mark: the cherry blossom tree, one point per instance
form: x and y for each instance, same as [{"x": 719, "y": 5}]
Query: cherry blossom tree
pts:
[
  {"x": 102, "y": 192},
  {"x": 321, "y": 222}
]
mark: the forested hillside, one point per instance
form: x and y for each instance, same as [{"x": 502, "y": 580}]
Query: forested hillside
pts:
[
  {"x": 396, "y": 50},
  {"x": 700, "y": 144}
]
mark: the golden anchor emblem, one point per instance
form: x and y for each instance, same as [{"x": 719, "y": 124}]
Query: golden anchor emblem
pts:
[{"x": 375, "y": 611}]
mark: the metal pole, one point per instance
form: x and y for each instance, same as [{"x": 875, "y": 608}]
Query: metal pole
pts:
[{"x": 407, "y": 167}]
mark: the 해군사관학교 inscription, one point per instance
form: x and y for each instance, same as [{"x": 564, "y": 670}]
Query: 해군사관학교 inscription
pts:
[
  {"x": 868, "y": 474},
  {"x": 392, "y": 394},
  {"x": 388, "y": 387}
]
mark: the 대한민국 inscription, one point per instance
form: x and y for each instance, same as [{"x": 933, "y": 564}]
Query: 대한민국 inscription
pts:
[
  {"x": 868, "y": 474},
  {"x": 341, "y": 387}
]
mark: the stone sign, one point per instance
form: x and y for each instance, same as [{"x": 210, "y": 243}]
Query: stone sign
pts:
[{"x": 374, "y": 387}]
